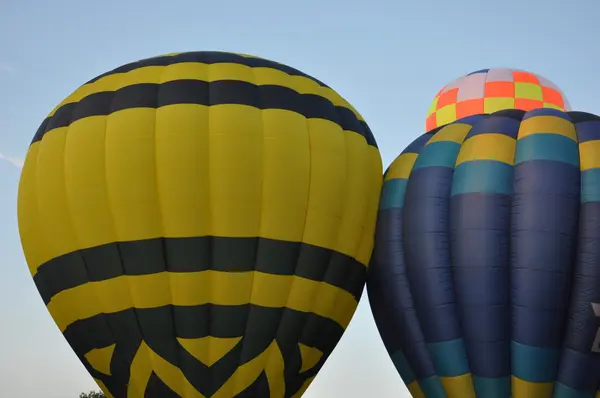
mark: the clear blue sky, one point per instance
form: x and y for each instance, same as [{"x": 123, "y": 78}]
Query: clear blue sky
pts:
[{"x": 387, "y": 58}]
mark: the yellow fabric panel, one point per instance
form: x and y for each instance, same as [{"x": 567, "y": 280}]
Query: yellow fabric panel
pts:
[
  {"x": 455, "y": 132},
  {"x": 203, "y": 287},
  {"x": 209, "y": 349},
  {"x": 310, "y": 357},
  {"x": 529, "y": 91},
  {"x": 227, "y": 170},
  {"x": 45, "y": 225},
  {"x": 285, "y": 174},
  {"x": 446, "y": 114},
  {"x": 589, "y": 155},
  {"x": 100, "y": 358},
  {"x": 30, "y": 228},
  {"x": 526, "y": 389},
  {"x": 497, "y": 147},
  {"x": 328, "y": 162},
  {"x": 547, "y": 125},
  {"x": 402, "y": 166},
  {"x": 493, "y": 104},
  {"x": 415, "y": 390},
  {"x": 373, "y": 191},
  {"x": 459, "y": 386},
  {"x": 207, "y": 73},
  {"x": 182, "y": 150}
]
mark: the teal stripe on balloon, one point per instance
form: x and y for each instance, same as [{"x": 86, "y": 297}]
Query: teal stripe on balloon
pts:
[
  {"x": 590, "y": 186},
  {"x": 563, "y": 391},
  {"x": 392, "y": 194},
  {"x": 438, "y": 154},
  {"x": 534, "y": 364},
  {"x": 544, "y": 146},
  {"x": 432, "y": 387},
  {"x": 449, "y": 358},
  {"x": 402, "y": 366},
  {"x": 483, "y": 176},
  {"x": 492, "y": 387}
]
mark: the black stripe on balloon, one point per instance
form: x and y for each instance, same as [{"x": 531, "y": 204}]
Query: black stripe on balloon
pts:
[
  {"x": 151, "y": 95},
  {"x": 194, "y": 254},
  {"x": 156, "y": 388},
  {"x": 207, "y": 57},
  {"x": 160, "y": 327}
]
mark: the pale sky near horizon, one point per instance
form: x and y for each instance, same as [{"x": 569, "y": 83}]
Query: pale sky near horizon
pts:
[{"x": 387, "y": 58}]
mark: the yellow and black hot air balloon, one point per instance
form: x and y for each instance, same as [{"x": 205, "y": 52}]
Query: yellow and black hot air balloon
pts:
[{"x": 199, "y": 224}]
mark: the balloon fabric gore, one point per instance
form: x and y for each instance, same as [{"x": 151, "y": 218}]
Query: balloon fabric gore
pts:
[
  {"x": 485, "y": 277},
  {"x": 492, "y": 90},
  {"x": 199, "y": 224}
]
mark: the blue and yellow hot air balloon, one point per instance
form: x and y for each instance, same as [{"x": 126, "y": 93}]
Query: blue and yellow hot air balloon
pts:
[
  {"x": 485, "y": 278},
  {"x": 199, "y": 224}
]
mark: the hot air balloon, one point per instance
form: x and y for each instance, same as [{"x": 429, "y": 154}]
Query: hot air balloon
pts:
[
  {"x": 491, "y": 90},
  {"x": 485, "y": 277},
  {"x": 199, "y": 224}
]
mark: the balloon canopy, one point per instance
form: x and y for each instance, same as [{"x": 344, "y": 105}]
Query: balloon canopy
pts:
[
  {"x": 491, "y": 90},
  {"x": 199, "y": 224},
  {"x": 485, "y": 277}
]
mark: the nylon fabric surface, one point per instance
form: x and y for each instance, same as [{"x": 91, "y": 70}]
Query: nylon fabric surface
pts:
[
  {"x": 491, "y": 90},
  {"x": 484, "y": 280},
  {"x": 200, "y": 224}
]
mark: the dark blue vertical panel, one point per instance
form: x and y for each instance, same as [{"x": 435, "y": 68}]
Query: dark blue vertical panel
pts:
[
  {"x": 480, "y": 254},
  {"x": 391, "y": 298},
  {"x": 580, "y": 359},
  {"x": 427, "y": 252},
  {"x": 543, "y": 240},
  {"x": 388, "y": 287},
  {"x": 480, "y": 230}
]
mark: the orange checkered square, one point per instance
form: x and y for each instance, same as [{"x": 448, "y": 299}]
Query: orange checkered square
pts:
[{"x": 499, "y": 89}]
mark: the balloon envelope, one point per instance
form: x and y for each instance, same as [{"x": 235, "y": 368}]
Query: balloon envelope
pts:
[
  {"x": 485, "y": 276},
  {"x": 199, "y": 224},
  {"x": 491, "y": 90}
]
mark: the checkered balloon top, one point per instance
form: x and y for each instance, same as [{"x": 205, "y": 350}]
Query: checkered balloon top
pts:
[{"x": 491, "y": 90}]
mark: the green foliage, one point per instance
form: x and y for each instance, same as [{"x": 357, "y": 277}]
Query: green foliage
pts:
[{"x": 92, "y": 394}]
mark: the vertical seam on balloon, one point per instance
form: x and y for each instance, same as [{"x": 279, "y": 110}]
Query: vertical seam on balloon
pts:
[
  {"x": 211, "y": 258},
  {"x": 405, "y": 209},
  {"x": 339, "y": 293},
  {"x": 163, "y": 242},
  {"x": 331, "y": 250},
  {"x": 209, "y": 213},
  {"x": 74, "y": 229},
  {"x": 575, "y": 264},
  {"x": 301, "y": 244},
  {"x": 103, "y": 315},
  {"x": 452, "y": 266},
  {"x": 370, "y": 197},
  {"x": 575, "y": 256},
  {"x": 510, "y": 254},
  {"x": 116, "y": 233},
  {"x": 259, "y": 237},
  {"x": 461, "y": 328},
  {"x": 418, "y": 325},
  {"x": 158, "y": 216},
  {"x": 236, "y": 376}
]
